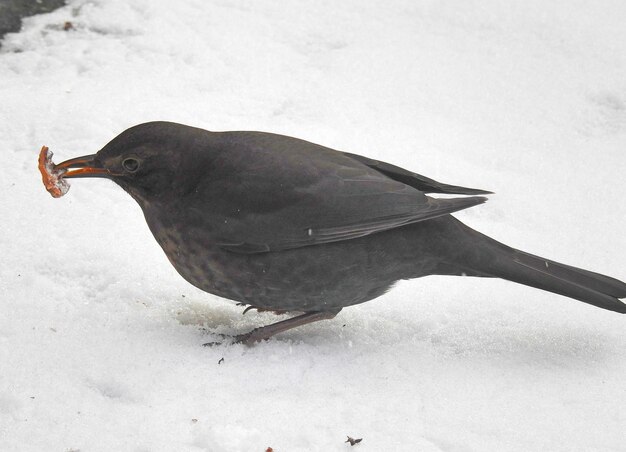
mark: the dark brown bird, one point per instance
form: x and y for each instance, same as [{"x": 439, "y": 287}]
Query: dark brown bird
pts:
[{"x": 284, "y": 224}]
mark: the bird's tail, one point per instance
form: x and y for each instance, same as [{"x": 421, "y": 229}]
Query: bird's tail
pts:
[{"x": 483, "y": 256}]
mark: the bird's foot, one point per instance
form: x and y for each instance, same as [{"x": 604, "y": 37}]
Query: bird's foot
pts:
[
  {"x": 223, "y": 340},
  {"x": 227, "y": 339},
  {"x": 265, "y": 332},
  {"x": 258, "y": 309}
]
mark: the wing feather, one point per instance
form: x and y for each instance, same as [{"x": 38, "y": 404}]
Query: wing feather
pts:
[
  {"x": 415, "y": 180},
  {"x": 271, "y": 192}
]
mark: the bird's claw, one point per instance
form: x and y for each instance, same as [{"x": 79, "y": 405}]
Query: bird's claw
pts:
[
  {"x": 248, "y": 309},
  {"x": 258, "y": 309},
  {"x": 230, "y": 340},
  {"x": 220, "y": 342}
]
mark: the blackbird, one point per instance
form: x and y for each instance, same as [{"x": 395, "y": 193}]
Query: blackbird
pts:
[{"x": 283, "y": 224}]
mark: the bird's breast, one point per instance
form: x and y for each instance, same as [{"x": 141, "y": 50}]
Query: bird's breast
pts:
[{"x": 321, "y": 277}]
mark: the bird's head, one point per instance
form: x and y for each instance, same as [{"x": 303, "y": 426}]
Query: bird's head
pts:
[{"x": 148, "y": 161}]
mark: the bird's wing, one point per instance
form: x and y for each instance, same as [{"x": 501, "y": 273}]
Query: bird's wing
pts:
[
  {"x": 275, "y": 193},
  {"x": 415, "y": 180},
  {"x": 333, "y": 232}
]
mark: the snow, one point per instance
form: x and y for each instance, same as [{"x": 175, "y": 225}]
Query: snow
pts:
[{"x": 100, "y": 339}]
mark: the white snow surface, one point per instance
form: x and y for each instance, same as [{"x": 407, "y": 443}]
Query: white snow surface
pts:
[{"x": 101, "y": 340}]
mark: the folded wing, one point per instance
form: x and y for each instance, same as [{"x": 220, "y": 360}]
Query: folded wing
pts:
[{"x": 292, "y": 193}]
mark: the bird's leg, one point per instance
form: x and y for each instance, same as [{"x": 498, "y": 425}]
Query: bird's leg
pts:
[{"x": 265, "y": 332}]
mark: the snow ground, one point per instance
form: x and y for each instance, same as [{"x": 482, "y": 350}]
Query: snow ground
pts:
[{"x": 100, "y": 339}]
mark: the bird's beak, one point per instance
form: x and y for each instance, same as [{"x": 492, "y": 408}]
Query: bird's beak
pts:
[{"x": 84, "y": 166}]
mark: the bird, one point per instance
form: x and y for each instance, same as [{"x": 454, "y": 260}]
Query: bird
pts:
[{"x": 283, "y": 224}]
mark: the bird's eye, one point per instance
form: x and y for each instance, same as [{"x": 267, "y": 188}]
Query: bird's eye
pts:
[{"x": 131, "y": 165}]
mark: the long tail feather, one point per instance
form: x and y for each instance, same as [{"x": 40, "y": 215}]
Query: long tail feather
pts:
[{"x": 484, "y": 256}]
